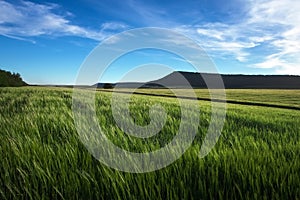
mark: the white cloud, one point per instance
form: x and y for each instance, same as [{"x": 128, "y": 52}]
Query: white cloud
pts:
[
  {"x": 286, "y": 15},
  {"x": 280, "y": 66},
  {"x": 290, "y": 69},
  {"x": 272, "y": 23},
  {"x": 270, "y": 63},
  {"x": 113, "y": 26},
  {"x": 211, "y": 33},
  {"x": 221, "y": 39},
  {"x": 31, "y": 19}
]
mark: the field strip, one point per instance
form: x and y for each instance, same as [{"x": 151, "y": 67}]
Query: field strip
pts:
[{"x": 208, "y": 99}]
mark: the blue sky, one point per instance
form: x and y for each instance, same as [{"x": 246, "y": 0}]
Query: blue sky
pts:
[{"x": 47, "y": 41}]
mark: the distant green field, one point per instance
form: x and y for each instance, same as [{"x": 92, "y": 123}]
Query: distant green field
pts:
[
  {"x": 256, "y": 157},
  {"x": 269, "y": 96}
]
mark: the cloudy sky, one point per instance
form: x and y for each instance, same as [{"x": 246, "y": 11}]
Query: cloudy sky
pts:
[{"x": 47, "y": 41}]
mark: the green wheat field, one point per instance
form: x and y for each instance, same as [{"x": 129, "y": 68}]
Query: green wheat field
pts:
[{"x": 257, "y": 155}]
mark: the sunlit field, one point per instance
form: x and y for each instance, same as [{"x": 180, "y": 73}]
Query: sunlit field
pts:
[
  {"x": 290, "y": 97},
  {"x": 256, "y": 157}
]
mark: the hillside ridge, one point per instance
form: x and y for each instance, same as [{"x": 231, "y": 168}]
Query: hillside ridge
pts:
[{"x": 177, "y": 79}]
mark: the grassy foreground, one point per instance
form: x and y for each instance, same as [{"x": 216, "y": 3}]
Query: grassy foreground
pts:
[{"x": 257, "y": 156}]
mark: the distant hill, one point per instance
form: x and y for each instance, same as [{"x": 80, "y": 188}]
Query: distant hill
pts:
[
  {"x": 8, "y": 79},
  {"x": 231, "y": 81}
]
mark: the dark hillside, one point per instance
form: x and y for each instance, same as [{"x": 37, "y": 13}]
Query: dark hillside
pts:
[{"x": 232, "y": 80}]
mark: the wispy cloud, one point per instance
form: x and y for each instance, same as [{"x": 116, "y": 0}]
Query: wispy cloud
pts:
[
  {"x": 274, "y": 24},
  {"x": 150, "y": 15},
  {"x": 220, "y": 39},
  {"x": 286, "y": 15},
  {"x": 29, "y": 19}
]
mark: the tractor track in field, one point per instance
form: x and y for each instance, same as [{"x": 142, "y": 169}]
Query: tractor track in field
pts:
[{"x": 247, "y": 103}]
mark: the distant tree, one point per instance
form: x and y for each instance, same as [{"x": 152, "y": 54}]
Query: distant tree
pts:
[{"x": 8, "y": 79}]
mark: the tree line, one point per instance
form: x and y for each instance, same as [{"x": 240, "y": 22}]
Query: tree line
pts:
[{"x": 9, "y": 79}]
